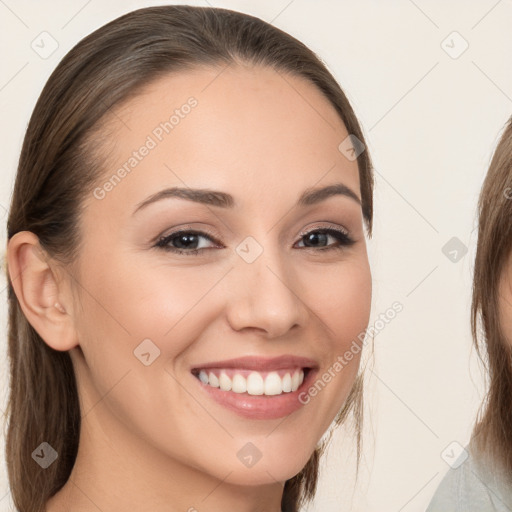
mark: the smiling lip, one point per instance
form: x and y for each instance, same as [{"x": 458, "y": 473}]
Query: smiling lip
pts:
[
  {"x": 261, "y": 364},
  {"x": 262, "y": 407}
]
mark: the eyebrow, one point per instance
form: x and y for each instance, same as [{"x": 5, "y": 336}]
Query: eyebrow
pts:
[{"x": 309, "y": 197}]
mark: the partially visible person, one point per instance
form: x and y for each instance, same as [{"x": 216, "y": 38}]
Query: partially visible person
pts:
[{"x": 483, "y": 482}]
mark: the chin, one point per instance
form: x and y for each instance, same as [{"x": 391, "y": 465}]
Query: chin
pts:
[{"x": 275, "y": 469}]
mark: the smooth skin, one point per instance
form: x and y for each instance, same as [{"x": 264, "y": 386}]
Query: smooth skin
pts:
[{"x": 151, "y": 439}]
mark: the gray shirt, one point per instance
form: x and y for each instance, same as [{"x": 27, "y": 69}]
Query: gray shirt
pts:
[{"x": 472, "y": 487}]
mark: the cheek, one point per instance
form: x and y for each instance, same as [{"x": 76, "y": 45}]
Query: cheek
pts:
[
  {"x": 133, "y": 316},
  {"x": 128, "y": 304},
  {"x": 341, "y": 299},
  {"x": 157, "y": 311},
  {"x": 342, "y": 302}
]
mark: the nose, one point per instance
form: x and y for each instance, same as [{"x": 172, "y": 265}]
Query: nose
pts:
[{"x": 264, "y": 296}]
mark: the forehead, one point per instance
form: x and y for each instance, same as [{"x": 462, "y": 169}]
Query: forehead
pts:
[{"x": 250, "y": 131}]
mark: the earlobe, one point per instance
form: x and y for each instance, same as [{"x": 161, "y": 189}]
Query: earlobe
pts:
[{"x": 36, "y": 286}]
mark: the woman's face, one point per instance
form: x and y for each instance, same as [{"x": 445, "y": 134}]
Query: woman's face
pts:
[{"x": 259, "y": 288}]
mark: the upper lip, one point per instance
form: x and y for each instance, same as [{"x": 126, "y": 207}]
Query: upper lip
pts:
[{"x": 261, "y": 363}]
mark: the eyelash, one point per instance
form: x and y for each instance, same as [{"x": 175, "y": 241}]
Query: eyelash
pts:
[{"x": 344, "y": 240}]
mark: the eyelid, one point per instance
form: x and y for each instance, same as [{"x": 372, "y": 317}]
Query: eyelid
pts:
[
  {"x": 188, "y": 228},
  {"x": 325, "y": 225}
]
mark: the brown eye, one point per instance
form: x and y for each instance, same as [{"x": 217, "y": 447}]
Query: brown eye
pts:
[
  {"x": 183, "y": 242},
  {"x": 317, "y": 237}
]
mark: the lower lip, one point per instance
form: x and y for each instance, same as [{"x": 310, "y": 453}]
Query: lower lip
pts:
[{"x": 259, "y": 407}]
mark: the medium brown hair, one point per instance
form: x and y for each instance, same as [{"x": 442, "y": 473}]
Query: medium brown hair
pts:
[
  {"x": 59, "y": 166},
  {"x": 492, "y": 432}
]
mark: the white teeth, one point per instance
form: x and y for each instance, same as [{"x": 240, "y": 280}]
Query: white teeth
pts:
[
  {"x": 213, "y": 380},
  {"x": 287, "y": 382},
  {"x": 273, "y": 384},
  {"x": 239, "y": 384},
  {"x": 295, "y": 381},
  {"x": 255, "y": 383},
  {"x": 224, "y": 382}
]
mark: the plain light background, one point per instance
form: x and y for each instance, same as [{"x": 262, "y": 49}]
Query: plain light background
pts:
[{"x": 432, "y": 111}]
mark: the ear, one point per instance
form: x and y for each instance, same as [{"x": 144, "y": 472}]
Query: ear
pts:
[{"x": 35, "y": 282}]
